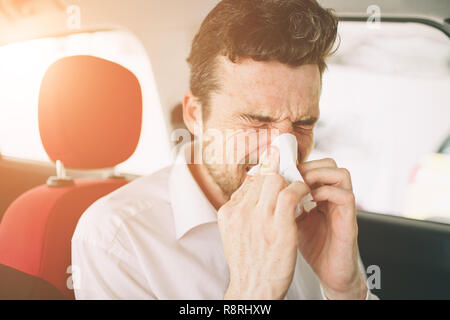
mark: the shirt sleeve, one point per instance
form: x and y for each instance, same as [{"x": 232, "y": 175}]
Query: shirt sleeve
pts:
[
  {"x": 369, "y": 295},
  {"x": 106, "y": 275}
]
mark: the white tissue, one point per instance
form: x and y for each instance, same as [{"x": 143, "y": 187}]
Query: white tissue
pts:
[{"x": 287, "y": 146}]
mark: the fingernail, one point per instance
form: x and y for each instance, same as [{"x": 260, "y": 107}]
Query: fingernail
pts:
[
  {"x": 265, "y": 161},
  {"x": 298, "y": 210},
  {"x": 269, "y": 162}
]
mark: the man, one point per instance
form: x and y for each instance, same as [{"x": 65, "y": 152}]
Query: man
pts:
[{"x": 205, "y": 229}]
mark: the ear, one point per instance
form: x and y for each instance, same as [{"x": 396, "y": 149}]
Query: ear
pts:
[{"x": 192, "y": 112}]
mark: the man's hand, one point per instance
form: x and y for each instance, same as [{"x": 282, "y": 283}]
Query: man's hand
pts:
[
  {"x": 328, "y": 234},
  {"x": 259, "y": 234}
]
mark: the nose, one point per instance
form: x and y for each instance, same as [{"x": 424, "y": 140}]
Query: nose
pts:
[
  {"x": 284, "y": 126},
  {"x": 277, "y": 129}
]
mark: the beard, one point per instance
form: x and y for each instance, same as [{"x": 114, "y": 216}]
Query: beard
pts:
[
  {"x": 226, "y": 172},
  {"x": 228, "y": 177}
]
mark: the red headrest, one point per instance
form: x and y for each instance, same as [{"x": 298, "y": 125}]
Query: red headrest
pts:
[{"x": 90, "y": 112}]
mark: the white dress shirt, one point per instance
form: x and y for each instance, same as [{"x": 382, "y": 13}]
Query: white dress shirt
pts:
[{"x": 157, "y": 238}]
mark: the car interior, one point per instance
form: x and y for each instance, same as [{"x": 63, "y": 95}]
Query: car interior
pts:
[{"x": 90, "y": 134}]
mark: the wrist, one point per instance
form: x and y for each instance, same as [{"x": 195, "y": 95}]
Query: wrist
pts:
[
  {"x": 240, "y": 291},
  {"x": 357, "y": 290}
]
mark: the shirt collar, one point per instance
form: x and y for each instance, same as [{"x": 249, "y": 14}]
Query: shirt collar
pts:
[{"x": 190, "y": 206}]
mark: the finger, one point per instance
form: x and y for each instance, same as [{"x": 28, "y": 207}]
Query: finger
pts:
[
  {"x": 328, "y": 176},
  {"x": 253, "y": 190},
  {"x": 272, "y": 186},
  {"x": 288, "y": 199},
  {"x": 243, "y": 190},
  {"x": 322, "y": 163},
  {"x": 334, "y": 195},
  {"x": 270, "y": 162}
]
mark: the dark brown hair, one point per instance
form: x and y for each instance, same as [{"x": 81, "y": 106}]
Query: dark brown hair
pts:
[{"x": 293, "y": 32}]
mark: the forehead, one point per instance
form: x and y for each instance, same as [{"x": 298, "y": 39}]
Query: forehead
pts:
[{"x": 269, "y": 88}]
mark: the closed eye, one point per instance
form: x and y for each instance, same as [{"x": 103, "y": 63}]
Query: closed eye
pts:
[
  {"x": 304, "y": 126},
  {"x": 256, "y": 122},
  {"x": 307, "y": 124}
]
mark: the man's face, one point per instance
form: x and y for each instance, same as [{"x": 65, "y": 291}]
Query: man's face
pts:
[{"x": 257, "y": 97}]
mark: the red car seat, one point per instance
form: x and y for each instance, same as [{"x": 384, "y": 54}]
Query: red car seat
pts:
[{"x": 90, "y": 114}]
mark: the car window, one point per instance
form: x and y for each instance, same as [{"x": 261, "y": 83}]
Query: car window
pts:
[
  {"x": 22, "y": 67},
  {"x": 384, "y": 115}
]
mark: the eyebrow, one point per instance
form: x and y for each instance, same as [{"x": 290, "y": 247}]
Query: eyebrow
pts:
[
  {"x": 260, "y": 118},
  {"x": 307, "y": 120}
]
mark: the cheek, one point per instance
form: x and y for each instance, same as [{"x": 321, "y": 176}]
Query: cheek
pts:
[
  {"x": 228, "y": 146},
  {"x": 244, "y": 145}
]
